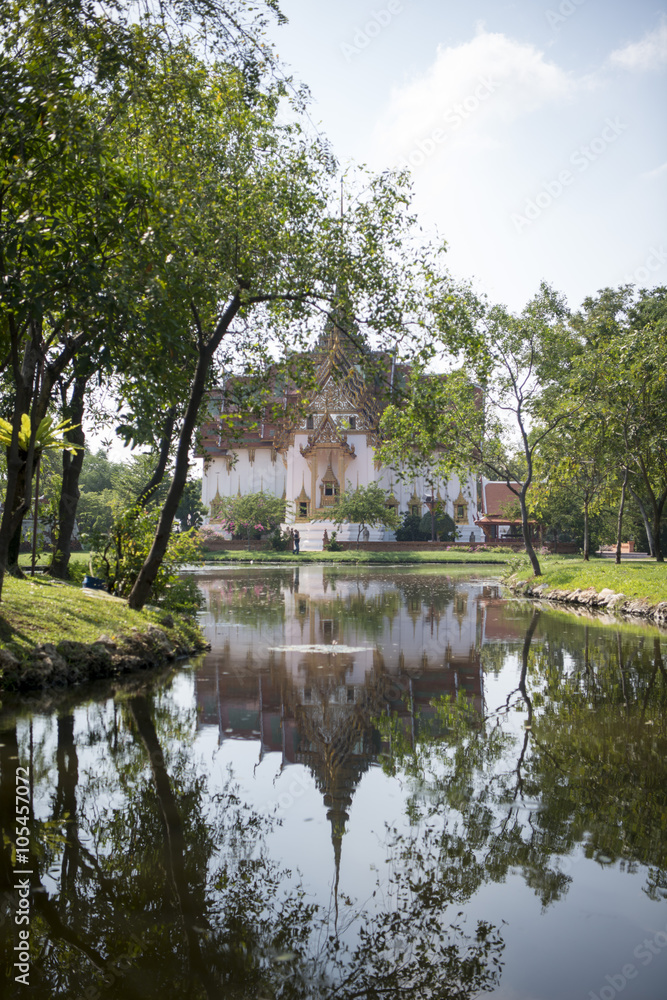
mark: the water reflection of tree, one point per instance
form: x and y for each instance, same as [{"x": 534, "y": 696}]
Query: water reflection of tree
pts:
[
  {"x": 589, "y": 770},
  {"x": 161, "y": 889}
]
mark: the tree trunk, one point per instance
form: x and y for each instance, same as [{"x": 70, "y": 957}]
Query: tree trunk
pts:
[
  {"x": 165, "y": 442},
  {"x": 647, "y": 523},
  {"x": 142, "y": 587},
  {"x": 657, "y": 518},
  {"x": 525, "y": 527},
  {"x": 19, "y": 463},
  {"x": 69, "y": 493},
  {"x": 586, "y": 533},
  {"x": 619, "y": 525}
]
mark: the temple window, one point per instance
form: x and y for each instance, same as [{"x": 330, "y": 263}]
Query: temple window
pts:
[
  {"x": 303, "y": 509},
  {"x": 460, "y": 509},
  {"x": 310, "y": 423},
  {"x": 353, "y": 423}
]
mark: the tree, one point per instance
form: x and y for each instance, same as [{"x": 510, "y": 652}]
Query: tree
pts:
[
  {"x": 67, "y": 210},
  {"x": 285, "y": 252},
  {"x": 513, "y": 372},
  {"x": 252, "y": 512},
  {"x": 574, "y": 475},
  {"x": 624, "y": 367},
  {"x": 366, "y": 506},
  {"x": 75, "y": 196}
]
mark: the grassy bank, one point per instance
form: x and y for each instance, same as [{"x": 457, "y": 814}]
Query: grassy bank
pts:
[
  {"x": 360, "y": 557},
  {"x": 40, "y": 610},
  {"x": 634, "y": 578}
]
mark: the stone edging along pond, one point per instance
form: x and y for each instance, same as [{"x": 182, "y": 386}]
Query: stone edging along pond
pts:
[
  {"x": 634, "y": 607},
  {"x": 50, "y": 666}
]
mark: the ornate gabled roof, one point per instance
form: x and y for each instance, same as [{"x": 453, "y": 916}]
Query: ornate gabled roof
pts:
[
  {"x": 328, "y": 433},
  {"x": 303, "y": 496},
  {"x": 329, "y": 476}
]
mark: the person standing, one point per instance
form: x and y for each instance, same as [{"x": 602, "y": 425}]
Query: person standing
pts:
[{"x": 297, "y": 539}]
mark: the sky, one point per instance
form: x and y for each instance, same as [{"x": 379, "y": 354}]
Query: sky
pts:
[{"x": 535, "y": 131}]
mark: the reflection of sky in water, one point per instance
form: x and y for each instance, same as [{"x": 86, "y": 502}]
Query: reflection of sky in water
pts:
[
  {"x": 294, "y": 657},
  {"x": 602, "y": 916}
]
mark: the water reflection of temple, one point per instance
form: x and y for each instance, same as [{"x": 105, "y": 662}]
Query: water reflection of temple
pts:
[
  {"x": 303, "y": 654},
  {"x": 303, "y": 661}
]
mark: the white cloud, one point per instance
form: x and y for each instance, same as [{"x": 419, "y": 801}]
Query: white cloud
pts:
[
  {"x": 657, "y": 172},
  {"x": 491, "y": 75},
  {"x": 648, "y": 54}
]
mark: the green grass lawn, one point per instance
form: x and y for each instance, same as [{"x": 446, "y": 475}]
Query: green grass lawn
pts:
[
  {"x": 352, "y": 556},
  {"x": 39, "y": 610},
  {"x": 635, "y": 578}
]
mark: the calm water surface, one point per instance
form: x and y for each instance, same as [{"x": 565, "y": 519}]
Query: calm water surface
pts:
[{"x": 377, "y": 784}]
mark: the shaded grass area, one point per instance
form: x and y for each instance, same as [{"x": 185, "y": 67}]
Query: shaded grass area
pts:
[
  {"x": 360, "y": 557},
  {"x": 634, "y": 578},
  {"x": 78, "y": 564},
  {"x": 39, "y": 610}
]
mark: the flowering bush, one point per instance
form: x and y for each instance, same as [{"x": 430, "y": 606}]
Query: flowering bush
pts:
[{"x": 254, "y": 512}]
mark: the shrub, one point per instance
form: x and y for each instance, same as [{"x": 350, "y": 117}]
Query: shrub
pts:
[
  {"x": 280, "y": 540},
  {"x": 118, "y": 555},
  {"x": 334, "y": 545},
  {"x": 410, "y": 529}
]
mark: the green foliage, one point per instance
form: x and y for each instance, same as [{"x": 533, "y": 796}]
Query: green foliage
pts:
[
  {"x": 365, "y": 506},
  {"x": 108, "y": 488},
  {"x": 280, "y": 540},
  {"x": 259, "y": 512},
  {"x": 334, "y": 545},
  {"x": 445, "y": 529},
  {"x": 418, "y": 529},
  {"x": 410, "y": 529},
  {"x": 119, "y": 555},
  {"x": 49, "y": 435}
]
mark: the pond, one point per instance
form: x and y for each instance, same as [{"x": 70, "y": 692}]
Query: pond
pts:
[{"x": 379, "y": 783}]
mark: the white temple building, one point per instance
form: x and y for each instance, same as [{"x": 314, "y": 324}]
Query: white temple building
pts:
[{"x": 318, "y": 447}]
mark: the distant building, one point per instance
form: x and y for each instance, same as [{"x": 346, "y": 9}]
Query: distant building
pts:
[
  {"x": 307, "y": 451},
  {"x": 500, "y": 518}
]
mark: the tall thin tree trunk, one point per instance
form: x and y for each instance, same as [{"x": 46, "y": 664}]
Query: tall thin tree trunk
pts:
[
  {"x": 70, "y": 493},
  {"x": 647, "y": 523},
  {"x": 146, "y": 578},
  {"x": 657, "y": 541},
  {"x": 619, "y": 524},
  {"x": 525, "y": 527},
  {"x": 586, "y": 533}
]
